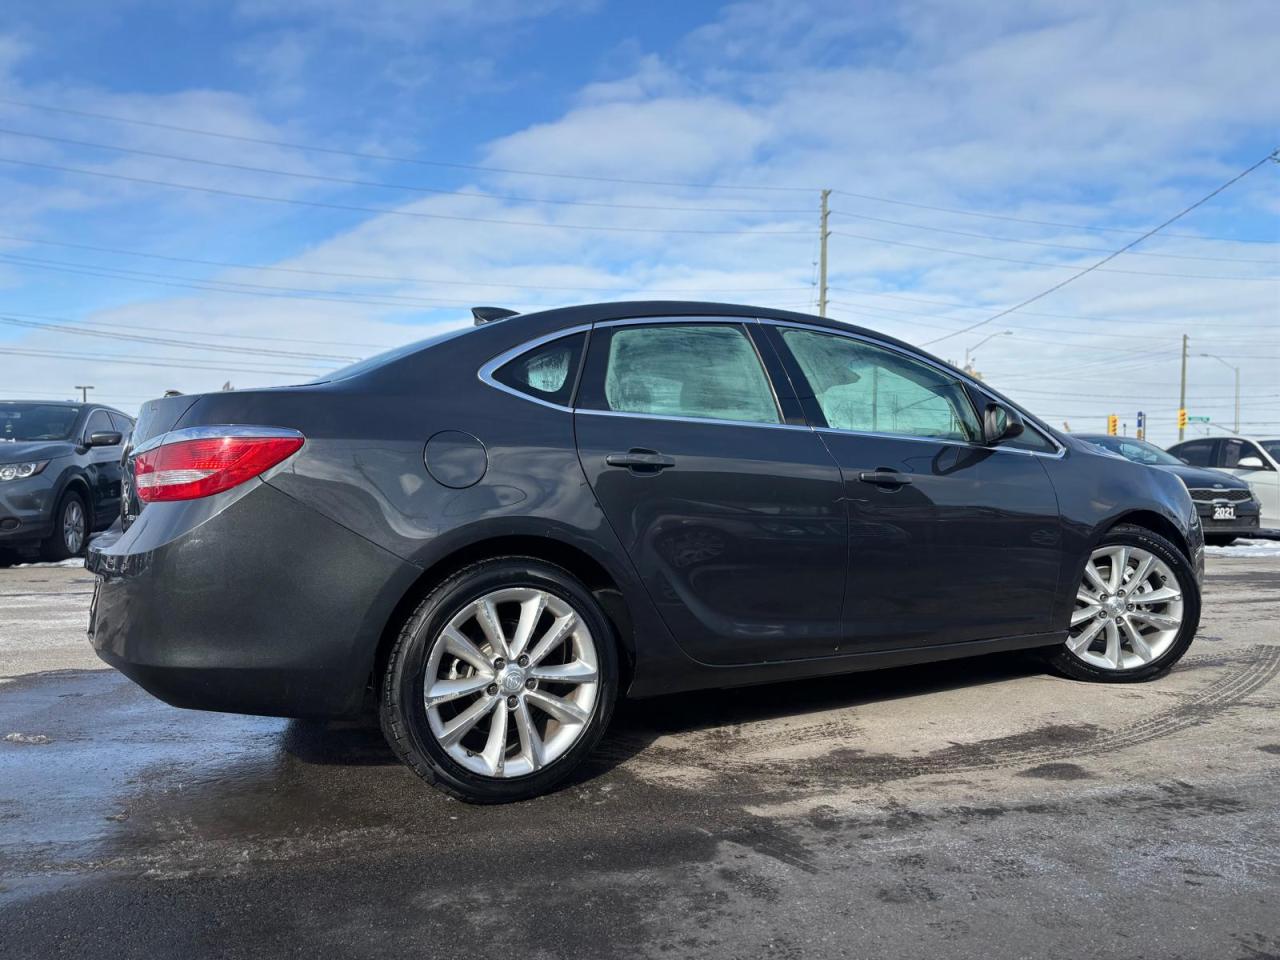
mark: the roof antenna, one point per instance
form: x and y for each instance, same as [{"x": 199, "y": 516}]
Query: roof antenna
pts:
[{"x": 485, "y": 315}]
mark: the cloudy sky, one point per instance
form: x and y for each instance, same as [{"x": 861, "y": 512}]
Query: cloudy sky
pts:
[{"x": 258, "y": 191}]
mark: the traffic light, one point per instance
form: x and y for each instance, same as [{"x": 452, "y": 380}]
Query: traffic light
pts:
[
  {"x": 1113, "y": 425},
  {"x": 1141, "y": 432},
  {"x": 1182, "y": 418}
]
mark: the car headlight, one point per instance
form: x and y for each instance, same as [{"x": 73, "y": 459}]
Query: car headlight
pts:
[{"x": 20, "y": 471}]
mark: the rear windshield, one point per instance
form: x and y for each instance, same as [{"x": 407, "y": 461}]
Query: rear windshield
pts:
[
  {"x": 389, "y": 356},
  {"x": 36, "y": 421}
]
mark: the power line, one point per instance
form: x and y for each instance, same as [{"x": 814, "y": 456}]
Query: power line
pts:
[
  {"x": 1092, "y": 267},
  {"x": 1042, "y": 263},
  {"x": 383, "y": 278},
  {"x": 170, "y": 362},
  {"x": 418, "y": 161},
  {"x": 1038, "y": 223},
  {"x": 1041, "y": 243},
  {"x": 391, "y": 211},
  {"x": 72, "y": 329},
  {"x": 380, "y": 184},
  {"x": 389, "y": 158}
]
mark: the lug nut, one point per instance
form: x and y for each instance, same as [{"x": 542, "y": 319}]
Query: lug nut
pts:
[
  {"x": 524, "y": 660},
  {"x": 512, "y": 702},
  {"x": 1131, "y": 606},
  {"x": 531, "y": 684},
  {"x": 499, "y": 664},
  {"x": 492, "y": 689},
  {"x": 1117, "y": 619}
]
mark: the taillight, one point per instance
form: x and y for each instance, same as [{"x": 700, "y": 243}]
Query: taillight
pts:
[{"x": 201, "y": 461}]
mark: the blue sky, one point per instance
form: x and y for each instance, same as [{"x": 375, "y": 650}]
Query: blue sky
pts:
[{"x": 979, "y": 154}]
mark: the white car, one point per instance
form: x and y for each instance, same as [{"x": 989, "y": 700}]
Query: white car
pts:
[{"x": 1256, "y": 462}]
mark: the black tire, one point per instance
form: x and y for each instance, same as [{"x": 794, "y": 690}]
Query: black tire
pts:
[
  {"x": 401, "y": 707},
  {"x": 56, "y": 548},
  {"x": 1220, "y": 539},
  {"x": 1063, "y": 661}
]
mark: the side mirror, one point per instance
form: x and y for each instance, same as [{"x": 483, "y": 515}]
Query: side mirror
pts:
[
  {"x": 1250, "y": 463},
  {"x": 105, "y": 438},
  {"x": 1000, "y": 423}
]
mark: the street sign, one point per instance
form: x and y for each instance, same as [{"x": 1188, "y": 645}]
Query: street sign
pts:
[{"x": 1198, "y": 419}]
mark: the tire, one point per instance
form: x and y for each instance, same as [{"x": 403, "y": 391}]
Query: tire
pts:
[
  {"x": 61, "y": 545},
  {"x": 428, "y": 651},
  {"x": 1099, "y": 660},
  {"x": 1220, "y": 539}
]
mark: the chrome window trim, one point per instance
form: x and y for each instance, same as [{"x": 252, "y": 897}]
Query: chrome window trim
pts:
[
  {"x": 676, "y": 419},
  {"x": 947, "y": 369},
  {"x": 214, "y": 432},
  {"x": 486, "y": 372}
]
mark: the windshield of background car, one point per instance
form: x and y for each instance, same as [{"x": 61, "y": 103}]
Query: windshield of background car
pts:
[
  {"x": 1139, "y": 451},
  {"x": 36, "y": 421},
  {"x": 1272, "y": 447}
]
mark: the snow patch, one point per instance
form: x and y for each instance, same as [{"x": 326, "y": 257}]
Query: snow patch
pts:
[{"x": 1247, "y": 548}]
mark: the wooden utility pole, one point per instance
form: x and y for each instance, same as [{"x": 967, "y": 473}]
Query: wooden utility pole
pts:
[
  {"x": 1182, "y": 391},
  {"x": 822, "y": 257}
]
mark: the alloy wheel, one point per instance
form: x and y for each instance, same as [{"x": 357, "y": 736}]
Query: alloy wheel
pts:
[
  {"x": 512, "y": 682},
  {"x": 1128, "y": 609},
  {"x": 73, "y": 526}
]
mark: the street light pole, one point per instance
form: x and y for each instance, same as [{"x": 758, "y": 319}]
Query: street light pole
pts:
[
  {"x": 1235, "y": 370},
  {"x": 969, "y": 350},
  {"x": 84, "y": 392}
]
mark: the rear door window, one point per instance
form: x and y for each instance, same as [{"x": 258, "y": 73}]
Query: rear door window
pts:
[
  {"x": 1231, "y": 452},
  {"x": 1198, "y": 453},
  {"x": 704, "y": 371}
]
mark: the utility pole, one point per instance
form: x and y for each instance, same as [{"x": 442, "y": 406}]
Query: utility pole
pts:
[
  {"x": 84, "y": 392},
  {"x": 823, "y": 233},
  {"x": 1182, "y": 391}
]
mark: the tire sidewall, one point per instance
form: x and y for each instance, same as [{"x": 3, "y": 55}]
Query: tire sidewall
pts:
[
  {"x": 1073, "y": 666},
  {"x": 407, "y": 674},
  {"x": 55, "y": 548}
]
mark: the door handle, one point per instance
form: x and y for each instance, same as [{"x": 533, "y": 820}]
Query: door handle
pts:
[
  {"x": 640, "y": 461},
  {"x": 884, "y": 478}
]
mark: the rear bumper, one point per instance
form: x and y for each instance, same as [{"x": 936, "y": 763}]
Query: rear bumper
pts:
[{"x": 262, "y": 606}]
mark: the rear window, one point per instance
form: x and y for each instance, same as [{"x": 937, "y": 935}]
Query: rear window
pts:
[
  {"x": 389, "y": 356},
  {"x": 547, "y": 372}
]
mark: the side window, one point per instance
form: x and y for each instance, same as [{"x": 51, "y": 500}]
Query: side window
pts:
[
  {"x": 122, "y": 424},
  {"x": 99, "y": 422},
  {"x": 547, "y": 372},
  {"x": 872, "y": 390},
  {"x": 1233, "y": 451},
  {"x": 1197, "y": 453},
  {"x": 704, "y": 371}
]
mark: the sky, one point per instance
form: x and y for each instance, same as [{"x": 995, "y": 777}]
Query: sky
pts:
[{"x": 258, "y": 191}]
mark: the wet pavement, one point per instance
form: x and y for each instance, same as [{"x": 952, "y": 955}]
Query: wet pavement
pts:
[{"x": 968, "y": 809}]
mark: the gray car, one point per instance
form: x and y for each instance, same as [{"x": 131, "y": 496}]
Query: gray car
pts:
[{"x": 60, "y": 474}]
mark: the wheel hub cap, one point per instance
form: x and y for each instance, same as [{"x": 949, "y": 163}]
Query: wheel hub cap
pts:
[{"x": 511, "y": 679}]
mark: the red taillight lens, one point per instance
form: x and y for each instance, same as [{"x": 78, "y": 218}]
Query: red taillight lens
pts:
[{"x": 188, "y": 469}]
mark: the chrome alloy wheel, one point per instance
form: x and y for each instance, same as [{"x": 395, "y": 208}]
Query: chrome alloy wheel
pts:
[
  {"x": 511, "y": 682},
  {"x": 73, "y": 527},
  {"x": 1128, "y": 609}
]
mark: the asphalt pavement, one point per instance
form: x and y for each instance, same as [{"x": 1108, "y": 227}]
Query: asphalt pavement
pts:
[{"x": 980, "y": 809}]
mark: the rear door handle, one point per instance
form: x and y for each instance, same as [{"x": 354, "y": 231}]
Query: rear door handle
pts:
[
  {"x": 884, "y": 478},
  {"x": 641, "y": 461}
]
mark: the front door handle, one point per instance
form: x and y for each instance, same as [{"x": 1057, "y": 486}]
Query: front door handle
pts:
[
  {"x": 639, "y": 460},
  {"x": 884, "y": 478}
]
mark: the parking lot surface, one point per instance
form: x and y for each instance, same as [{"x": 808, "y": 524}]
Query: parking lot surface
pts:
[{"x": 967, "y": 809}]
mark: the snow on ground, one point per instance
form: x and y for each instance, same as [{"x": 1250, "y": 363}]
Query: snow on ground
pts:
[{"x": 1247, "y": 548}]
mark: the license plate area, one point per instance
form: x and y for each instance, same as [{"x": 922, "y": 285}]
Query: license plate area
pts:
[{"x": 1224, "y": 511}]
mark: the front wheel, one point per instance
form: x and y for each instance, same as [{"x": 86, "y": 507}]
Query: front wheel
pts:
[
  {"x": 1136, "y": 610},
  {"x": 70, "y": 530},
  {"x": 501, "y": 682}
]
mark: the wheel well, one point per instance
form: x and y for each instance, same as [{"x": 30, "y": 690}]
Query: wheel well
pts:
[
  {"x": 594, "y": 576},
  {"x": 1157, "y": 524}
]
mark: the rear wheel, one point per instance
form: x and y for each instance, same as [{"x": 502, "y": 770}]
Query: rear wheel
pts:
[
  {"x": 1136, "y": 610},
  {"x": 501, "y": 682},
  {"x": 70, "y": 529}
]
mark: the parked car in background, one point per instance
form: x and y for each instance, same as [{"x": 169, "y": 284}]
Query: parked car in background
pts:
[
  {"x": 60, "y": 474},
  {"x": 501, "y": 530},
  {"x": 1256, "y": 462},
  {"x": 1227, "y": 507}
]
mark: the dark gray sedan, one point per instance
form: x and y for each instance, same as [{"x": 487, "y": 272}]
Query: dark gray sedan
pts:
[{"x": 496, "y": 533}]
